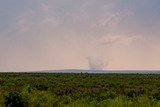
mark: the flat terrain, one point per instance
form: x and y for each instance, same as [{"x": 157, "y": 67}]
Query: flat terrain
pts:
[{"x": 79, "y": 90}]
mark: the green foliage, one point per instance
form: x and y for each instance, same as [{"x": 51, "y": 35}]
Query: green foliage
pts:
[
  {"x": 79, "y": 90},
  {"x": 156, "y": 95},
  {"x": 13, "y": 100}
]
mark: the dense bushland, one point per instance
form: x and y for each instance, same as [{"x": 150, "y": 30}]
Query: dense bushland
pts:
[{"x": 79, "y": 90}]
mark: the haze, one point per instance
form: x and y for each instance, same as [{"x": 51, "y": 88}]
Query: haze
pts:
[{"x": 79, "y": 34}]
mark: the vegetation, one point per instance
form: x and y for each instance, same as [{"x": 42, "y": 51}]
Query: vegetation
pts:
[{"x": 79, "y": 90}]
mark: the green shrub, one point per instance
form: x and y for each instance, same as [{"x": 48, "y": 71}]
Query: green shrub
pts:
[
  {"x": 13, "y": 99},
  {"x": 130, "y": 93},
  {"x": 42, "y": 99},
  {"x": 156, "y": 95}
]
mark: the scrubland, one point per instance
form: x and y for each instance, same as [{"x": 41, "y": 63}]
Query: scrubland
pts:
[{"x": 79, "y": 90}]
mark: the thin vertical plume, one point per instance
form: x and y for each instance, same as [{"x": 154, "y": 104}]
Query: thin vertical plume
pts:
[{"x": 96, "y": 64}]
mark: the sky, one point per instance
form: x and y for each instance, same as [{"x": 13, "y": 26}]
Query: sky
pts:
[{"x": 79, "y": 34}]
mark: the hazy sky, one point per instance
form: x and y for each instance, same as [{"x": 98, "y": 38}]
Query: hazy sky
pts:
[{"x": 79, "y": 34}]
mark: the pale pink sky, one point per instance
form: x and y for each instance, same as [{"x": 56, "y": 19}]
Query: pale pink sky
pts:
[{"x": 79, "y": 34}]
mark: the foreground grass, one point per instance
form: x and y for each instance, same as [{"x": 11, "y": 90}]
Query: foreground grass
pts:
[{"x": 79, "y": 90}]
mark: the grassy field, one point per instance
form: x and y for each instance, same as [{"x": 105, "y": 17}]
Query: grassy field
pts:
[{"x": 79, "y": 90}]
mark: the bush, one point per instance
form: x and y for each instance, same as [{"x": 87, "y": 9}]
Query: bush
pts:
[
  {"x": 42, "y": 99},
  {"x": 130, "y": 93},
  {"x": 156, "y": 95},
  {"x": 13, "y": 99}
]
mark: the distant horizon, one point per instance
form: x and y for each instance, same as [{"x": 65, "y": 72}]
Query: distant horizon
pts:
[{"x": 89, "y": 70}]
